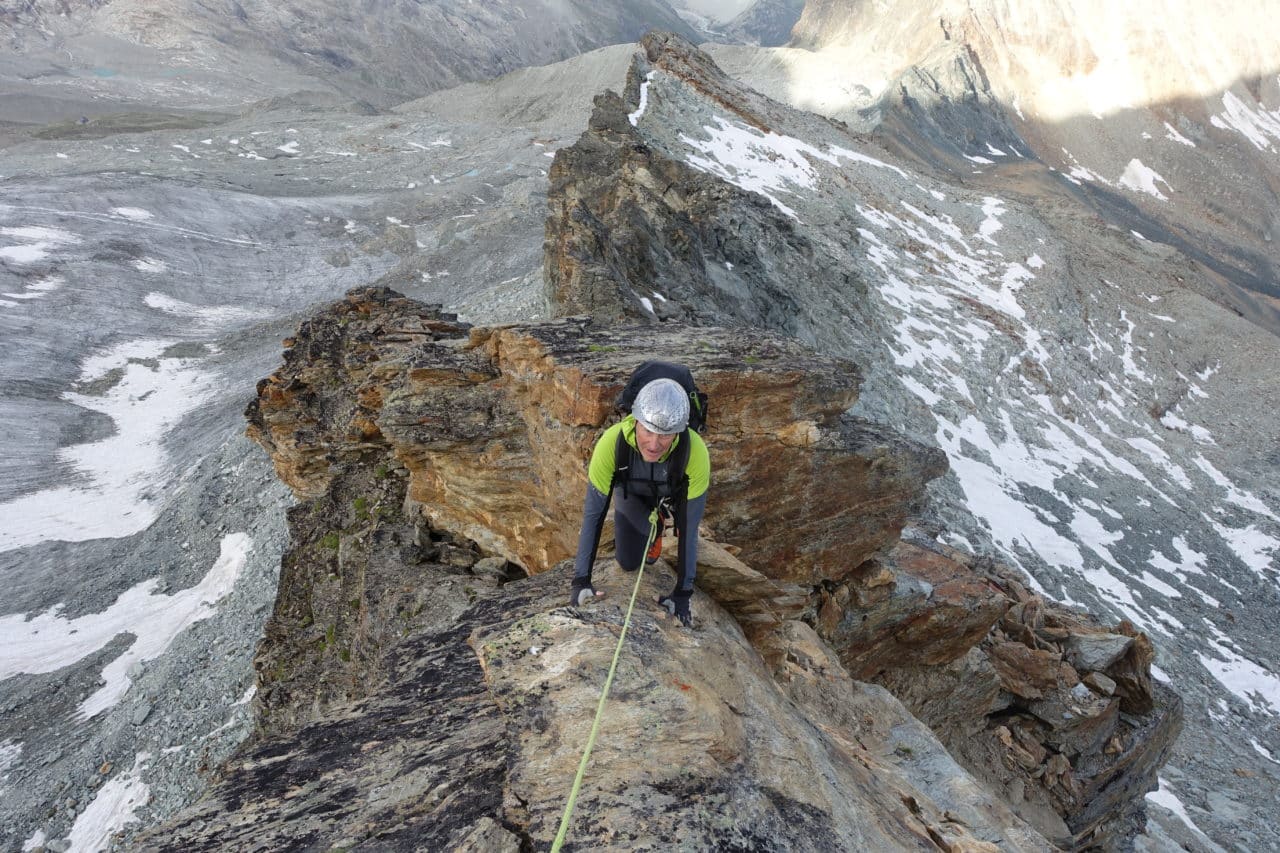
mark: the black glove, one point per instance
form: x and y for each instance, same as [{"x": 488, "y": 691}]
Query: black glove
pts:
[
  {"x": 581, "y": 592},
  {"x": 677, "y": 604}
]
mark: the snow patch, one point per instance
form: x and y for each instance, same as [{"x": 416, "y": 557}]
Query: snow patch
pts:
[
  {"x": 1263, "y": 751},
  {"x": 634, "y": 117},
  {"x": 1255, "y": 549},
  {"x": 220, "y": 317},
  {"x": 993, "y": 209},
  {"x": 137, "y": 214},
  {"x": 118, "y": 479},
  {"x": 1141, "y": 178},
  {"x": 1255, "y": 123},
  {"x": 114, "y": 806},
  {"x": 1165, "y": 798},
  {"x": 1235, "y": 495},
  {"x": 150, "y": 265},
  {"x": 36, "y": 289},
  {"x": 765, "y": 163},
  {"x": 1247, "y": 680},
  {"x": 1171, "y": 133},
  {"x": 38, "y": 241},
  {"x": 48, "y": 641},
  {"x": 1177, "y": 424}
]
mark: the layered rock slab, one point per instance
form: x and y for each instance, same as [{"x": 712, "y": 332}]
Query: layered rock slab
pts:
[
  {"x": 472, "y": 739},
  {"x": 494, "y": 427},
  {"x": 1051, "y": 707}
]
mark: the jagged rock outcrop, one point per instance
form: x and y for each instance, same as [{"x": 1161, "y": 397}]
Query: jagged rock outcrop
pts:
[
  {"x": 631, "y": 233},
  {"x": 436, "y": 462},
  {"x": 471, "y": 739},
  {"x": 1051, "y": 708},
  {"x": 494, "y": 425},
  {"x": 464, "y": 731}
]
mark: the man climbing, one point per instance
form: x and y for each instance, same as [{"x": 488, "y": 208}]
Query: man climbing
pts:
[{"x": 649, "y": 460}]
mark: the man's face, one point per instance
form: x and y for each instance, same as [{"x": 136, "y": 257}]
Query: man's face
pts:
[{"x": 651, "y": 444}]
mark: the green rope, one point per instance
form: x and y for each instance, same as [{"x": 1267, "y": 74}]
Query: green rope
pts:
[{"x": 604, "y": 694}]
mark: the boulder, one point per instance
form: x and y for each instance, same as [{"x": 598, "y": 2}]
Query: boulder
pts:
[
  {"x": 1096, "y": 652},
  {"x": 913, "y": 606}
]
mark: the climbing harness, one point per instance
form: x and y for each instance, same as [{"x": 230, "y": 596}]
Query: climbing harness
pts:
[{"x": 604, "y": 695}]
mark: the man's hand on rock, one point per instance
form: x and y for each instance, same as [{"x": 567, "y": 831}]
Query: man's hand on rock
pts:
[
  {"x": 677, "y": 604},
  {"x": 582, "y": 593}
]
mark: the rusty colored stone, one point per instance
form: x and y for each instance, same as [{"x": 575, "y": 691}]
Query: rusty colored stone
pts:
[{"x": 913, "y": 606}]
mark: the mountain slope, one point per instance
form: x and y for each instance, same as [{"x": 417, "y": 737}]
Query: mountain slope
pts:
[
  {"x": 1105, "y": 423},
  {"x": 1164, "y": 115},
  {"x": 187, "y": 54}
]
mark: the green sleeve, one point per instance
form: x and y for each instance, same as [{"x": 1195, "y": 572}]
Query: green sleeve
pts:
[
  {"x": 699, "y": 467},
  {"x": 602, "y": 462}
]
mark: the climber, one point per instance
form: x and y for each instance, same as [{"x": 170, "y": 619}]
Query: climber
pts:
[{"x": 651, "y": 459}]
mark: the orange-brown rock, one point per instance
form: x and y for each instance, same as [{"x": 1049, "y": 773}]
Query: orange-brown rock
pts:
[
  {"x": 910, "y": 607},
  {"x": 495, "y": 427},
  {"x": 1072, "y": 763},
  {"x": 487, "y": 432},
  {"x": 1030, "y": 673}
]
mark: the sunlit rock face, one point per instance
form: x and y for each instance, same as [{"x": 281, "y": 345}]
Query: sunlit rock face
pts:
[
  {"x": 1164, "y": 118},
  {"x": 435, "y": 461},
  {"x": 493, "y": 426},
  {"x": 1064, "y": 59},
  {"x": 1103, "y": 414}
]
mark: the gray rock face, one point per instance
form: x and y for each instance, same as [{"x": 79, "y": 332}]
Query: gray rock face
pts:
[
  {"x": 411, "y": 703},
  {"x": 383, "y": 55},
  {"x": 1097, "y": 652}
]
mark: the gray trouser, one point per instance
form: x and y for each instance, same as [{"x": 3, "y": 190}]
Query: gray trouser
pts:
[{"x": 630, "y": 530}]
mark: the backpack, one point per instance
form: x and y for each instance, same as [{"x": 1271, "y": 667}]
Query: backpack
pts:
[{"x": 651, "y": 370}]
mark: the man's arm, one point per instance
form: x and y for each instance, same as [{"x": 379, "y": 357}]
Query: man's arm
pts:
[
  {"x": 687, "y": 555},
  {"x": 593, "y": 510},
  {"x": 596, "y": 503}
]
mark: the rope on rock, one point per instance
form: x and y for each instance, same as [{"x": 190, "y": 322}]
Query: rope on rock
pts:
[{"x": 604, "y": 694}]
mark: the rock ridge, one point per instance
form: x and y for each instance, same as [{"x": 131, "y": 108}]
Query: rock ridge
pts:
[
  {"x": 475, "y": 439},
  {"x": 916, "y": 610}
]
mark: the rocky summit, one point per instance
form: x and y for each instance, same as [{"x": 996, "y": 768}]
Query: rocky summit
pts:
[{"x": 422, "y": 682}]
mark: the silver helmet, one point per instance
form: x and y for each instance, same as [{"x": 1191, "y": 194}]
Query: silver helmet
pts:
[{"x": 662, "y": 407}]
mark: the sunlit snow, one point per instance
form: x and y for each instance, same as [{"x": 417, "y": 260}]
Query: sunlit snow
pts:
[
  {"x": 766, "y": 163},
  {"x": 1252, "y": 683},
  {"x": 1143, "y": 179},
  {"x": 1173, "y": 134},
  {"x": 1255, "y": 123}
]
